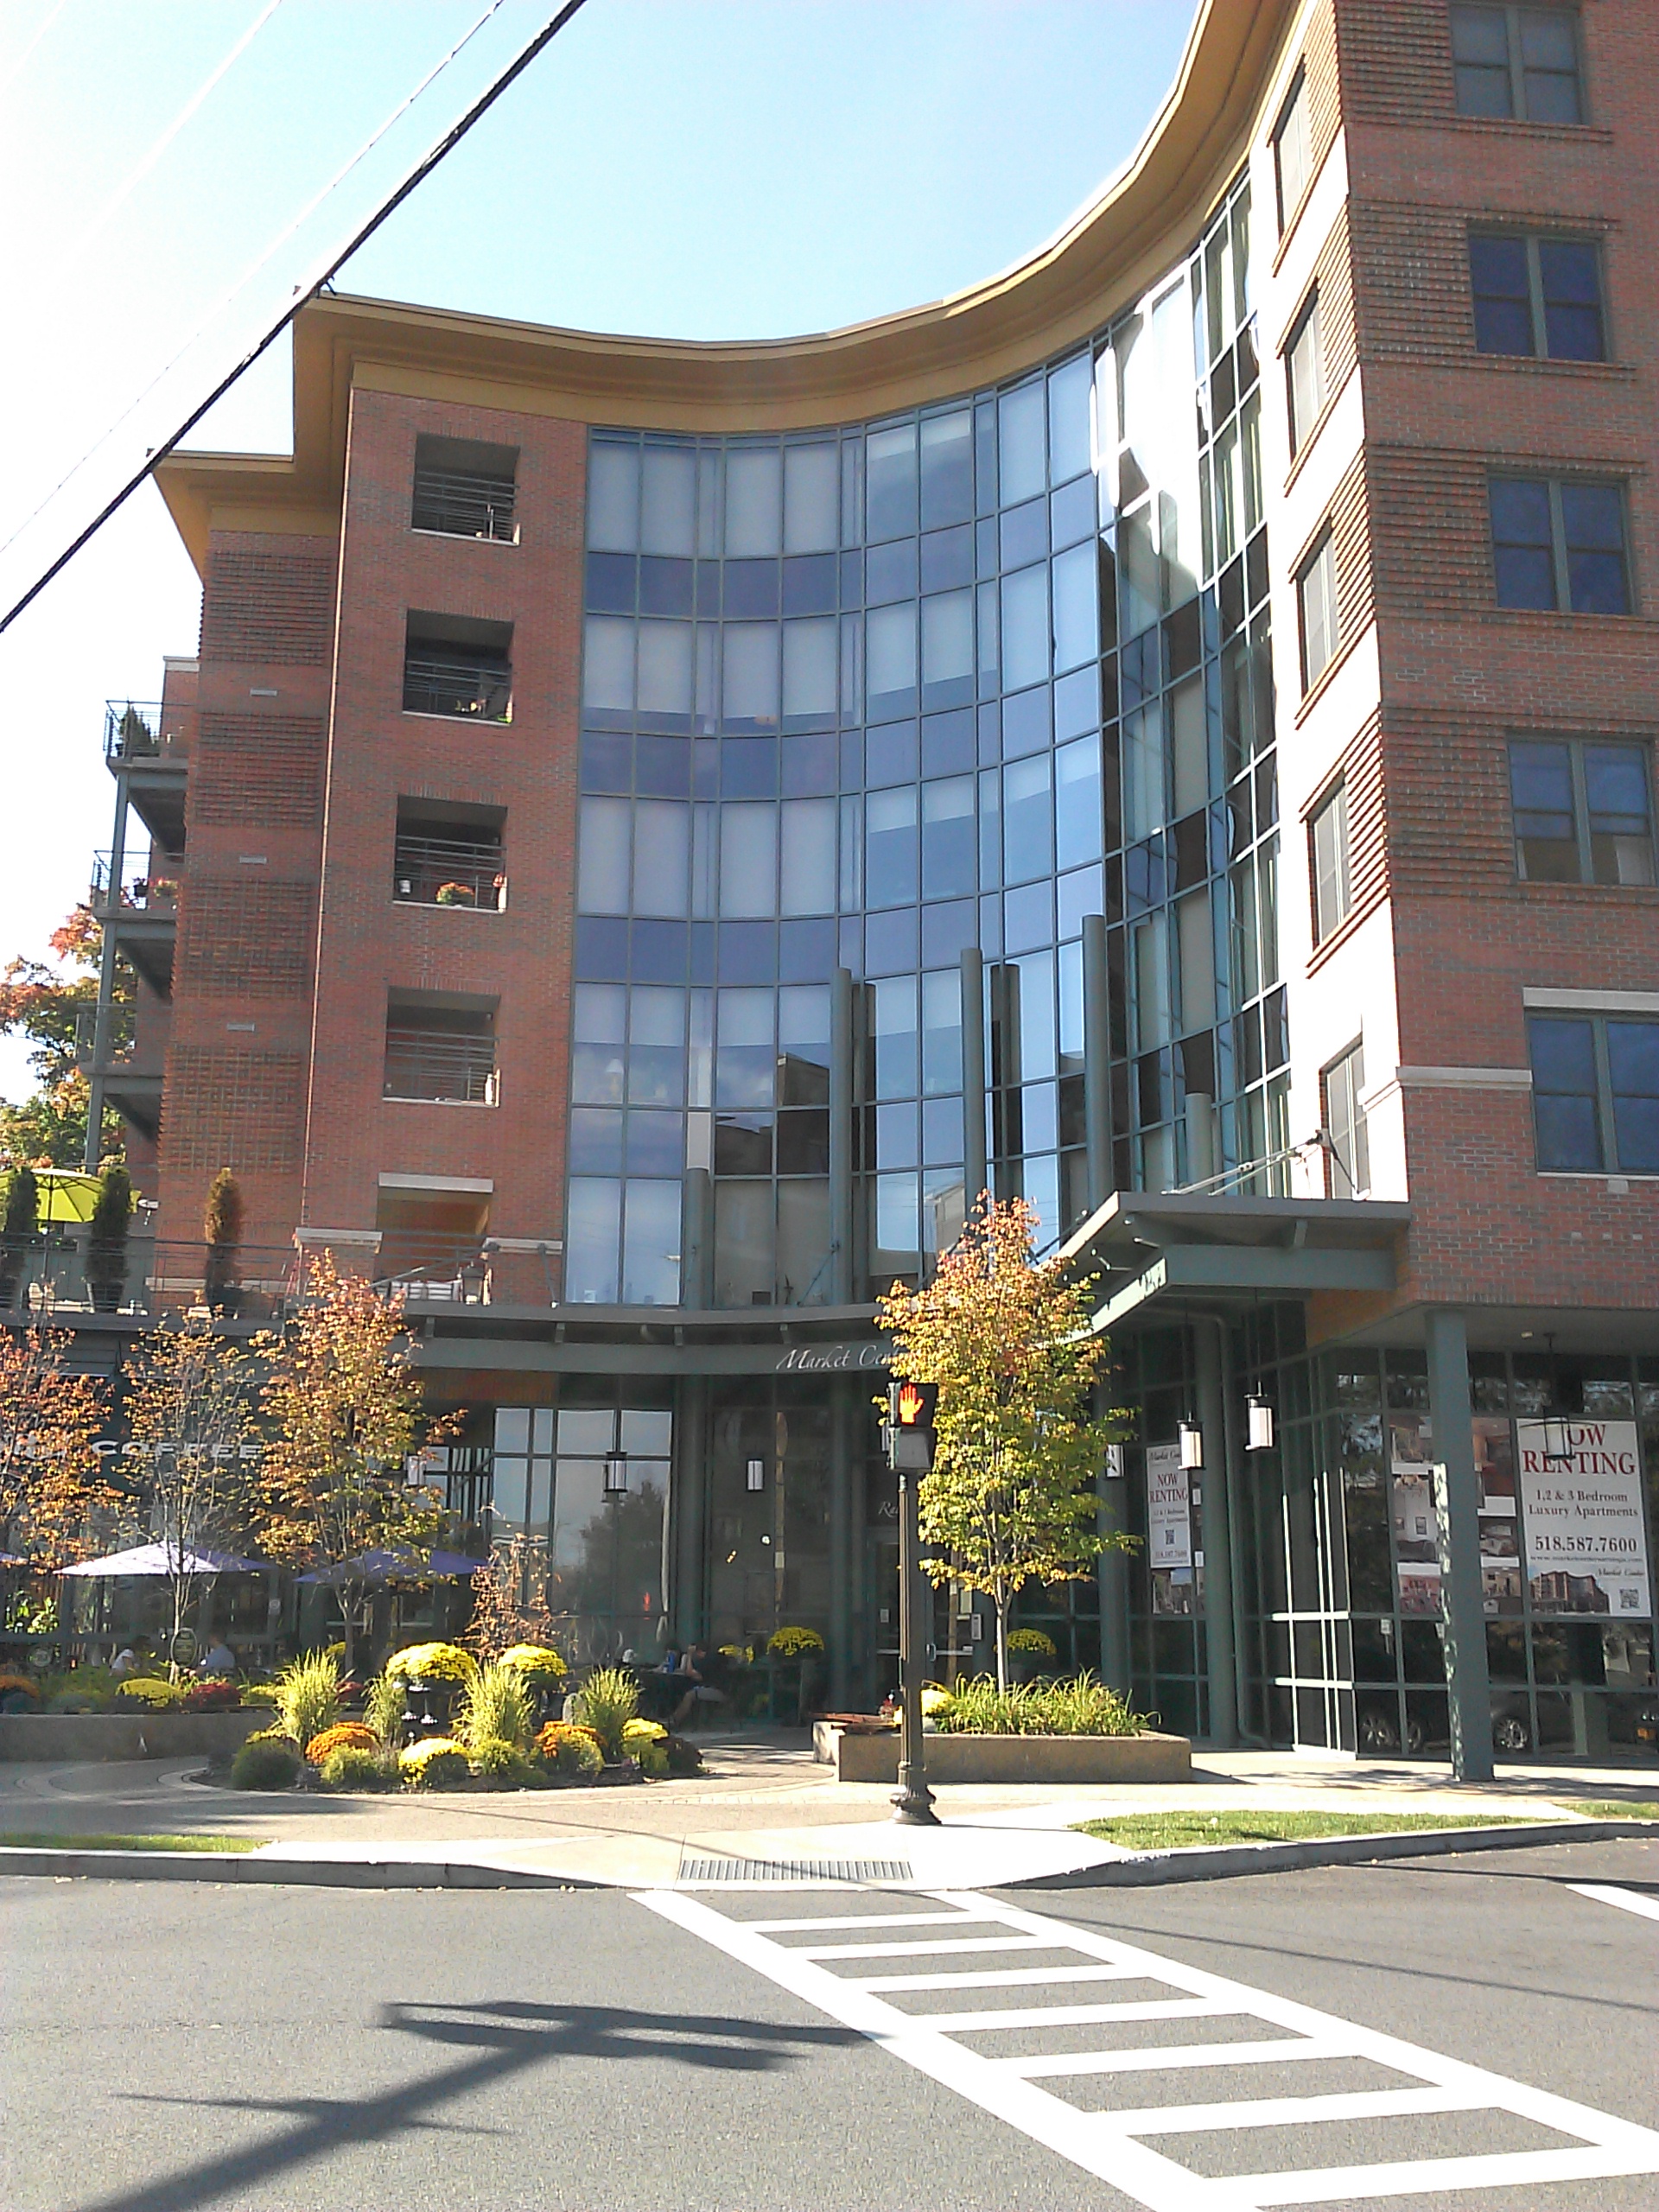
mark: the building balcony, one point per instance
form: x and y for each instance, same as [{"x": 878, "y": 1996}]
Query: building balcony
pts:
[
  {"x": 140, "y": 909},
  {"x": 454, "y": 871},
  {"x": 145, "y": 752},
  {"x": 448, "y": 1066},
  {"x": 475, "y": 689}
]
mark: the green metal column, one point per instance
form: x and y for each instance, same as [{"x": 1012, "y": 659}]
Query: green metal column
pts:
[
  {"x": 1216, "y": 1524},
  {"x": 688, "y": 1599},
  {"x": 1468, "y": 1681},
  {"x": 841, "y": 1138},
  {"x": 842, "y": 1524}
]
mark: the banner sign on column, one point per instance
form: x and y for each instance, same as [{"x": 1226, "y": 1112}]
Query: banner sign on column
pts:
[{"x": 1169, "y": 1513}]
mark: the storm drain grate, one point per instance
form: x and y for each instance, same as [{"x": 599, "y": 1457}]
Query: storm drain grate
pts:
[{"x": 704, "y": 1871}]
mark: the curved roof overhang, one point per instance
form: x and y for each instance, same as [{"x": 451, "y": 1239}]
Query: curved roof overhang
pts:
[{"x": 1140, "y": 222}]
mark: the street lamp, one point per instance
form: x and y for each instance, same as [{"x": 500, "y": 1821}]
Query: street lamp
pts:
[
  {"x": 909, "y": 1440},
  {"x": 1259, "y": 1417},
  {"x": 1191, "y": 1439}
]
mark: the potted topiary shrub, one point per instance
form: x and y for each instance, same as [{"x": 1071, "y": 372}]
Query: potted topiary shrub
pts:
[
  {"x": 19, "y": 1231},
  {"x": 1029, "y": 1653},
  {"x": 221, "y": 1230},
  {"x": 793, "y": 1652},
  {"x": 106, "y": 1239}
]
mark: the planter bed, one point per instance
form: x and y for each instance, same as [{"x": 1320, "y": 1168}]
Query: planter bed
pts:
[
  {"x": 870, "y": 1753},
  {"x": 63, "y": 1739}
]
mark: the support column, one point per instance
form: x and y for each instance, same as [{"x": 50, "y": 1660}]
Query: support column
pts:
[
  {"x": 1097, "y": 1062},
  {"x": 105, "y": 982},
  {"x": 841, "y": 1138},
  {"x": 687, "y": 1600},
  {"x": 1237, "y": 1504},
  {"x": 1217, "y": 1538},
  {"x": 1114, "y": 1669},
  {"x": 697, "y": 1240},
  {"x": 975, "y": 1175},
  {"x": 1468, "y": 1681},
  {"x": 841, "y": 1547}
]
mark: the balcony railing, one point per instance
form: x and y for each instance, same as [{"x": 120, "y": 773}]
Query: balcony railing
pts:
[
  {"x": 449, "y": 872},
  {"x": 139, "y": 889},
  {"x": 132, "y": 731},
  {"x": 464, "y": 506},
  {"x": 433, "y": 1066},
  {"x": 59, "y": 1272},
  {"x": 448, "y": 684}
]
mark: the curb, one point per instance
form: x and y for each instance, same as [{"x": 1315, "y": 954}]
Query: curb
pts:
[
  {"x": 315, "y": 1874},
  {"x": 1149, "y": 1868}
]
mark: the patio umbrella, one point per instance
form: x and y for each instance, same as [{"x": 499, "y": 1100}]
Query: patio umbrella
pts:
[
  {"x": 153, "y": 1559},
  {"x": 377, "y": 1566},
  {"x": 66, "y": 1195}
]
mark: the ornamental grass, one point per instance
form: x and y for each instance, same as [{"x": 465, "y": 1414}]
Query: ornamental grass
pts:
[
  {"x": 1081, "y": 1705},
  {"x": 307, "y": 1695},
  {"x": 607, "y": 1700},
  {"x": 496, "y": 1708},
  {"x": 383, "y": 1709}
]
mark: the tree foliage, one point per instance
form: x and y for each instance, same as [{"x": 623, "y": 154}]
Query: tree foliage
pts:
[
  {"x": 509, "y": 1599},
  {"x": 45, "y": 1003},
  {"x": 1012, "y": 1496},
  {"x": 343, "y": 1410},
  {"x": 52, "y": 1483}
]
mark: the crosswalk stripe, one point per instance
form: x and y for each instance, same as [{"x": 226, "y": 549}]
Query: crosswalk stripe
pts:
[
  {"x": 1156, "y": 2057},
  {"x": 1282, "y": 2112},
  {"x": 1073, "y": 2016},
  {"x": 1007, "y": 1978},
  {"x": 1626, "y": 1900},
  {"x": 924, "y": 1950}
]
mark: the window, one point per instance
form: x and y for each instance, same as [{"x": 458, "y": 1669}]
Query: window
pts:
[
  {"x": 1327, "y": 842},
  {"x": 441, "y": 1047},
  {"x": 1316, "y": 595},
  {"x": 1583, "y": 812},
  {"x": 1559, "y": 545},
  {"x": 1304, "y": 373},
  {"x": 1536, "y": 296},
  {"x": 1292, "y": 150},
  {"x": 450, "y": 855},
  {"x": 453, "y": 664},
  {"x": 1517, "y": 64},
  {"x": 1595, "y": 1093},
  {"x": 1347, "y": 1152},
  {"x": 465, "y": 490}
]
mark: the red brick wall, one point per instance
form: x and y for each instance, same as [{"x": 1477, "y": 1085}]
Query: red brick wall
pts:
[{"x": 376, "y": 754}]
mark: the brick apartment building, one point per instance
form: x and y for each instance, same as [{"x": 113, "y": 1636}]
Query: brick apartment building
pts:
[{"x": 1191, "y": 699}]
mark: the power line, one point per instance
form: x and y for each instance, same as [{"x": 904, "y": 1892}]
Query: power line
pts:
[
  {"x": 40, "y": 30},
  {"x": 416, "y": 176}
]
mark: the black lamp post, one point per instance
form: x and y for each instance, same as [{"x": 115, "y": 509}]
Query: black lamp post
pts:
[{"x": 909, "y": 1440}]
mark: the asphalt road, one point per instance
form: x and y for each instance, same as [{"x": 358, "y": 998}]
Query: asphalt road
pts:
[{"x": 171, "y": 2046}]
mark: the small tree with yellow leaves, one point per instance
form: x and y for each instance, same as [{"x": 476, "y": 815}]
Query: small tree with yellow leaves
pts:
[
  {"x": 1012, "y": 1496},
  {"x": 52, "y": 1483}
]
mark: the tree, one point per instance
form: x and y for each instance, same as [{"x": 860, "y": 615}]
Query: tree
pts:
[
  {"x": 1011, "y": 1498},
  {"x": 51, "y": 1478},
  {"x": 106, "y": 1239},
  {"x": 53, "y": 1010},
  {"x": 191, "y": 1407},
  {"x": 221, "y": 1229},
  {"x": 19, "y": 1228},
  {"x": 503, "y": 1614},
  {"x": 344, "y": 1412}
]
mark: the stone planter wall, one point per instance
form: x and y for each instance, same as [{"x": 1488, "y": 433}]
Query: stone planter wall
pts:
[
  {"x": 860, "y": 1755},
  {"x": 65, "y": 1738}
]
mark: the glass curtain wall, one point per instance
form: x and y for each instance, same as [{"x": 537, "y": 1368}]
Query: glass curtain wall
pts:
[{"x": 869, "y": 698}]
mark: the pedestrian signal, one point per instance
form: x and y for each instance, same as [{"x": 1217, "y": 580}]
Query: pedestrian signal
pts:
[{"x": 913, "y": 1405}]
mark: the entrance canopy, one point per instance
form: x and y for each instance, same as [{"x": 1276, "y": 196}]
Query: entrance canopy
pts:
[{"x": 155, "y": 1559}]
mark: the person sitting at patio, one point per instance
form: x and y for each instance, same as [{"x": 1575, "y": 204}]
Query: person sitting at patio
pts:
[
  {"x": 221, "y": 1659},
  {"x": 698, "y": 1692}
]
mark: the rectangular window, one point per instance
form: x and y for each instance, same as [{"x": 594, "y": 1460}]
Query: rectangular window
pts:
[
  {"x": 1348, "y": 1155},
  {"x": 456, "y": 664},
  {"x": 1537, "y": 296},
  {"x": 1327, "y": 842},
  {"x": 1595, "y": 1093},
  {"x": 1583, "y": 812},
  {"x": 1292, "y": 150},
  {"x": 1304, "y": 373},
  {"x": 1516, "y": 64},
  {"x": 465, "y": 490},
  {"x": 1316, "y": 596},
  {"x": 1559, "y": 546}
]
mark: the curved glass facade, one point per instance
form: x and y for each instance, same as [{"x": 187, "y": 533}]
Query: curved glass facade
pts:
[{"x": 870, "y": 699}]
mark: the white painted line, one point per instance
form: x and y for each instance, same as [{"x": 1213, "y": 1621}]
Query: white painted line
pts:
[
  {"x": 1626, "y": 1900},
  {"x": 1095, "y": 2144},
  {"x": 1289, "y": 2112},
  {"x": 1152, "y": 2058},
  {"x": 1009, "y": 1977},
  {"x": 860, "y": 1920},
  {"x": 924, "y": 1950}
]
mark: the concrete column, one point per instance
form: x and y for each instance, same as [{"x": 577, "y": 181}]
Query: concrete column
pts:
[
  {"x": 1097, "y": 1062},
  {"x": 841, "y": 1137},
  {"x": 1217, "y": 1538},
  {"x": 841, "y": 1547},
  {"x": 105, "y": 982},
  {"x": 697, "y": 1240},
  {"x": 1114, "y": 1577},
  {"x": 1236, "y": 1500},
  {"x": 1458, "y": 1521},
  {"x": 976, "y": 1175},
  {"x": 687, "y": 1600}
]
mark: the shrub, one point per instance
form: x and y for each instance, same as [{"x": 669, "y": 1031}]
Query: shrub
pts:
[
  {"x": 18, "y": 1686},
  {"x": 1033, "y": 1639},
  {"x": 149, "y": 1689},
  {"x": 539, "y": 1664},
  {"x": 383, "y": 1708},
  {"x": 433, "y": 1663},
  {"x": 607, "y": 1700},
  {"x": 437, "y": 1764},
  {"x": 496, "y": 1708},
  {"x": 307, "y": 1695},
  {"x": 684, "y": 1757},
  {"x": 212, "y": 1697},
  {"x": 934, "y": 1701},
  {"x": 1082, "y": 1706},
  {"x": 258, "y": 1693},
  {"x": 266, "y": 1763},
  {"x": 739, "y": 1654},
  {"x": 794, "y": 1642},
  {"x": 570, "y": 1750},
  {"x": 345, "y": 1735},
  {"x": 500, "y": 1765},
  {"x": 355, "y": 1766},
  {"x": 644, "y": 1741}
]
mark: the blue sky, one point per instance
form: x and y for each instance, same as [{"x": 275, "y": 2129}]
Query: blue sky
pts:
[{"x": 698, "y": 168}]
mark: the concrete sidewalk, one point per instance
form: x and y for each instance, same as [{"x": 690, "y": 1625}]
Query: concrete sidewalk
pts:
[{"x": 765, "y": 1811}]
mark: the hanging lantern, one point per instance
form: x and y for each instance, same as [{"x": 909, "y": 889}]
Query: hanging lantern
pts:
[
  {"x": 1191, "y": 1437},
  {"x": 757, "y": 1474},
  {"x": 616, "y": 1475},
  {"x": 1558, "y": 1440},
  {"x": 1259, "y": 1417}
]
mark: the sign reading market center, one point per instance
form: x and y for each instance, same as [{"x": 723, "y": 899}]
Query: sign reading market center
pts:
[{"x": 1586, "y": 1551}]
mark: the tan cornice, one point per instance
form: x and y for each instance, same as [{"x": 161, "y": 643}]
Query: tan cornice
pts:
[{"x": 1140, "y": 223}]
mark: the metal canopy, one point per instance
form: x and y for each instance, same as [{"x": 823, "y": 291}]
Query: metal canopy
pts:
[{"x": 1198, "y": 1249}]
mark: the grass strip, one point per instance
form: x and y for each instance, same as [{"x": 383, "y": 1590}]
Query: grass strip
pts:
[
  {"x": 1188, "y": 1831},
  {"x": 25, "y": 1840},
  {"x": 1611, "y": 1808}
]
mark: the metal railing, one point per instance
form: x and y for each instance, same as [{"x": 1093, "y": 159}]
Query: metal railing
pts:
[
  {"x": 464, "y": 506},
  {"x": 139, "y": 889},
  {"x": 60, "y": 1272},
  {"x": 436, "y": 1065},
  {"x": 133, "y": 731},
  {"x": 445, "y": 684},
  {"x": 449, "y": 872}
]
